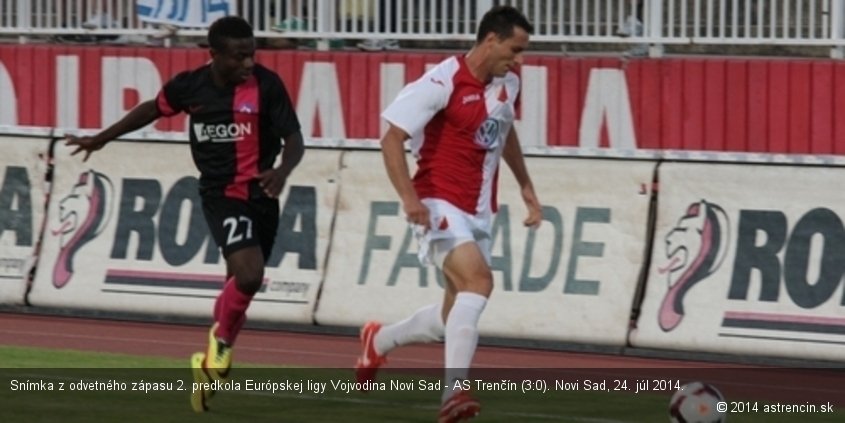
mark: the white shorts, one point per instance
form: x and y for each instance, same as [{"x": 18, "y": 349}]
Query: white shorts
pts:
[{"x": 451, "y": 227}]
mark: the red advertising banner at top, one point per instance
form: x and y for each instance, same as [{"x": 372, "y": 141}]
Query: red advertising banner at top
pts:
[{"x": 715, "y": 104}]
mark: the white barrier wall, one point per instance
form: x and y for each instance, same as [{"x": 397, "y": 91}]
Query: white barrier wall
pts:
[
  {"x": 126, "y": 232},
  {"x": 747, "y": 259},
  {"x": 573, "y": 279},
  {"x": 22, "y": 196}
]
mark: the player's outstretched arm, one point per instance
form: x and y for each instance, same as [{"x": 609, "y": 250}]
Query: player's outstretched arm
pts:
[
  {"x": 393, "y": 152},
  {"x": 512, "y": 154},
  {"x": 137, "y": 118},
  {"x": 273, "y": 181}
]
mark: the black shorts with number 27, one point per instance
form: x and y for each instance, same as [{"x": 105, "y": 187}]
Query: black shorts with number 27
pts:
[{"x": 237, "y": 224}]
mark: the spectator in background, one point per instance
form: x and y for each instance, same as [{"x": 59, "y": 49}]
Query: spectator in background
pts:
[
  {"x": 292, "y": 21},
  {"x": 296, "y": 19},
  {"x": 379, "y": 44},
  {"x": 633, "y": 27},
  {"x": 100, "y": 15}
]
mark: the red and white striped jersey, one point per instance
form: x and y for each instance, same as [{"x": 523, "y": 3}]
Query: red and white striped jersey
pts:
[{"x": 458, "y": 126}]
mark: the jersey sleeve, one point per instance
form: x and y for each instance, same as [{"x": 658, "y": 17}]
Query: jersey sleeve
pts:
[
  {"x": 419, "y": 101},
  {"x": 280, "y": 110},
  {"x": 170, "y": 99}
]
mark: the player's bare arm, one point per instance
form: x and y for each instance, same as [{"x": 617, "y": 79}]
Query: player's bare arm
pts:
[
  {"x": 272, "y": 181},
  {"x": 512, "y": 154},
  {"x": 139, "y": 117},
  {"x": 393, "y": 152}
]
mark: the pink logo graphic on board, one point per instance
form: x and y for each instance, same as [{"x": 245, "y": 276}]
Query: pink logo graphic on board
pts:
[
  {"x": 695, "y": 248},
  {"x": 83, "y": 213}
]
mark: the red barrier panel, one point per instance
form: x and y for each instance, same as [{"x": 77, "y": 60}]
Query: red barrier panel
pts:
[{"x": 719, "y": 104}]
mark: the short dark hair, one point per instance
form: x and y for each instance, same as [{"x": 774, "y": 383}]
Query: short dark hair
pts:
[
  {"x": 502, "y": 20},
  {"x": 232, "y": 27}
]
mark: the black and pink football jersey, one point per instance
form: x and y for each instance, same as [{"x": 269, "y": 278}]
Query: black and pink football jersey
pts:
[{"x": 236, "y": 132}]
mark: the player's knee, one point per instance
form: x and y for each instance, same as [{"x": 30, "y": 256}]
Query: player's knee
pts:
[
  {"x": 247, "y": 266},
  {"x": 248, "y": 286},
  {"x": 486, "y": 289},
  {"x": 478, "y": 281},
  {"x": 249, "y": 282},
  {"x": 482, "y": 283}
]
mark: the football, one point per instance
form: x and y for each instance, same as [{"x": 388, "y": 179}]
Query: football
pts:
[{"x": 696, "y": 402}]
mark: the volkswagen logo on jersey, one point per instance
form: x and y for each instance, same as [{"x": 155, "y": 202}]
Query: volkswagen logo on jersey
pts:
[
  {"x": 223, "y": 132},
  {"x": 487, "y": 135}
]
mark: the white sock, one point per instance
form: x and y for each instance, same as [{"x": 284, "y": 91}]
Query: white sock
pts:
[
  {"x": 461, "y": 338},
  {"x": 425, "y": 325}
]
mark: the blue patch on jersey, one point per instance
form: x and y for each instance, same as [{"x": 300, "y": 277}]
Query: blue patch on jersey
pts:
[{"x": 488, "y": 135}]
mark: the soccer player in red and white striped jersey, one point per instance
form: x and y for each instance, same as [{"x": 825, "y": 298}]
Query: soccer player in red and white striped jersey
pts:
[{"x": 459, "y": 119}]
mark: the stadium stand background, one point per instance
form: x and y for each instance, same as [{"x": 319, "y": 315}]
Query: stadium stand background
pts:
[{"x": 791, "y": 27}]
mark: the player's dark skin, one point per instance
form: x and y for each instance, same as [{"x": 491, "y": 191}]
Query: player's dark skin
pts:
[{"x": 231, "y": 65}]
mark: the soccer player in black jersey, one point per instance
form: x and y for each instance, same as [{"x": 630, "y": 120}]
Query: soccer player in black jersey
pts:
[{"x": 239, "y": 113}]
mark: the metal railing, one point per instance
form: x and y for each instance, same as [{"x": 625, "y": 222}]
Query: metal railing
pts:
[{"x": 652, "y": 22}]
